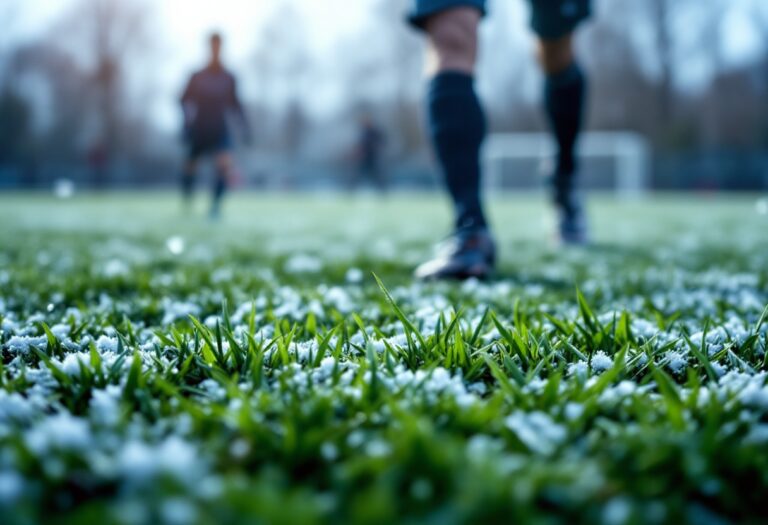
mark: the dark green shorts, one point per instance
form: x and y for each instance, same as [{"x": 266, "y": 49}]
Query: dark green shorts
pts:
[{"x": 550, "y": 19}]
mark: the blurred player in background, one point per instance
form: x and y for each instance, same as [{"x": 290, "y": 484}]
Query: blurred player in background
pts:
[
  {"x": 209, "y": 100},
  {"x": 457, "y": 123},
  {"x": 370, "y": 143}
]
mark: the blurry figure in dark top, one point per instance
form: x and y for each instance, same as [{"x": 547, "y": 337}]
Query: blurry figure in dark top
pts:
[
  {"x": 370, "y": 144},
  {"x": 209, "y": 99}
]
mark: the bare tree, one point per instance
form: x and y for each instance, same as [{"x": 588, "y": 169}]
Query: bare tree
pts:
[
  {"x": 283, "y": 68},
  {"x": 662, "y": 21},
  {"x": 106, "y": 35},
  {"x": 402, "y": 58},
  {"x": 44, "y": 111},
  {"x": 759, "y": 12},
  {"x": 9, "y": 12},
  {"x": 704, "y": 41},
  {"x": 385, "y": 80}
]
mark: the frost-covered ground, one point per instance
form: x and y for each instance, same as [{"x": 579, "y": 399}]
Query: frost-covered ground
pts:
[{"x": 157, "y": 369}]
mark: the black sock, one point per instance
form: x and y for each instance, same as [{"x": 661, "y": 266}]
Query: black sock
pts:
[
  {"x": 457, "y": 129},
  {"x": 219, "y": 187},
  {"x": 564, "y": 100},
  {"x": 187, "y": 184}
]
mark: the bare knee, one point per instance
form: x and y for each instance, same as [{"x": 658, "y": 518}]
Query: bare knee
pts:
[
  {"x": 555, "y": 55},
  {"x": 453, "y": 39},
  {"x": 224, "y": 164}
]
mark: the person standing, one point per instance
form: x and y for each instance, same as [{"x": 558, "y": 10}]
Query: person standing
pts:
[
  {"x": 457, "y": 123},
  {"x": 370, "y": 144},
  {"x": 209, "y": 98}
]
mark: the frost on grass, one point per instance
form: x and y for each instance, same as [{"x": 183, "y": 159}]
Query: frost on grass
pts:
[
  {"x": 304, "y": 393},
  {"x": 537, "y": 431},
  {"x": 22, "y": 344},
  {"x": 303, "y": 263},
  {"x": 601, "y": 362}
]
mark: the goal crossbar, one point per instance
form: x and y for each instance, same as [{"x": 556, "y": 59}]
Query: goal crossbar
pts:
[{"x": 630, "y": 152}]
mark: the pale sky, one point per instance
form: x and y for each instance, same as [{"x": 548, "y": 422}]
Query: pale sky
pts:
[
  {"x": 186, "y": 22},
  {"x": 184, "y": 25}
]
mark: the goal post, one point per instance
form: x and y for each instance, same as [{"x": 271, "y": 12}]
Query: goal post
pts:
[{"x": 629, "y": 153}]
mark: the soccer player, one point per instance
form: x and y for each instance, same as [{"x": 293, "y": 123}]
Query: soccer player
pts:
[
  {"x": 457, "y": 123},
  {"x": 208, "y": 100},
  {"x": 370, "y": 142}
]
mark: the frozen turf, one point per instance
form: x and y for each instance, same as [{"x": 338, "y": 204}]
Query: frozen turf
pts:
[{"x": 160, "y": 369}]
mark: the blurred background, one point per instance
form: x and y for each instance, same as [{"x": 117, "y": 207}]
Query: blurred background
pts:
[{"x": 89, "y": 91}]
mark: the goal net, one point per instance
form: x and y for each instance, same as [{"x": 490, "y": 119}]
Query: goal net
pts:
[{"x": 615, "y": 161}]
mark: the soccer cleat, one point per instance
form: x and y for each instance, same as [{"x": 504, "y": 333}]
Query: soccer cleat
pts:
[{"x": 465, "y": 254}]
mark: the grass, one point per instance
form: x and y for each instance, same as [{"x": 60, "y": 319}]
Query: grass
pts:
[{"x": 281, "y": 366}]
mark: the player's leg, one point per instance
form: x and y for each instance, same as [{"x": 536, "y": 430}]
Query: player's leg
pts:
[
  {"x": 456, "y": 119},
  {"x": 564, "y": 98},
  {"x": 188, "y": 175},
  {"x": 357, "y": 177},
  {"x": 379, "y": 178},
  {"x": 564, "y": 101},
  {"x": 457, "y": 130},
  {"x": 225, "y": 166}
]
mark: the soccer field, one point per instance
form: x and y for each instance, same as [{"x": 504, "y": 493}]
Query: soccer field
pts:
[{"x": 159, "y": 368}]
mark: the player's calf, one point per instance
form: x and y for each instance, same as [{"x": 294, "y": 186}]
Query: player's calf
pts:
[
  {"x": 188, "y": 182},
  {"x": 564, "y": 101}
]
